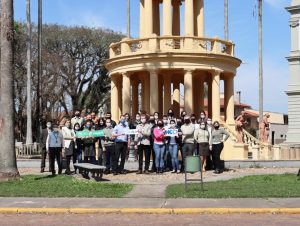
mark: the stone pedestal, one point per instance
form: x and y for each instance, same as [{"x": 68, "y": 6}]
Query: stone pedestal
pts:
[{"x": 233, "y": 151}]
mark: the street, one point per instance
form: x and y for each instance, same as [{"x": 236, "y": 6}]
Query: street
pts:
[{"x": 148, "y": 219}]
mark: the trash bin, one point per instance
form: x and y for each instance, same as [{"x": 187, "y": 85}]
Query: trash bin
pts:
[{"x": 193, "y": 165}]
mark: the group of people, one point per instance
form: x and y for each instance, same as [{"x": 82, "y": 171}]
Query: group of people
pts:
[{"x": 201, "y": 137}]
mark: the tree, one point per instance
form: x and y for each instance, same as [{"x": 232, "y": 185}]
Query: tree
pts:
[
  {"x": 28, "y": 106},
  {"x": 8, "y": 165}
]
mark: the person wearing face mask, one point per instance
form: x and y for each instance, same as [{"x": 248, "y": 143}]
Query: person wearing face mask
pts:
[
  {"x": 188, "y": 146},
  {"x": 170, "y": 115},
  {"x": 89, "y": 151},
  {"x": 54, "y": 145},
  {"x": 121, "y": 139},
  {"x": 142, "y": 144},
  {"x": 202, "y": 116},
  {"x": 108, "y": 144},
  {"x": 182, "y": 115},
  {"x": 100, "y": 125},
  {"x": 209, "y": 162},
  {"x": 44, "y": 137},
  {"x": 137, "y": 121},
  {"x": 172, "y": 143},
  {"x": 152, "y": 123},
  {"x": 202, "y": 138},
  {"x": 78, "y": 144},
  {"x": 108, "y": 116},
  {"x": 159, "y": 146},
  {"x": 69, "y": 144},
  {"x": 156, "y": 117},
  {"x": 219, "y": 136},
  {"x": 77, "y": 119}
]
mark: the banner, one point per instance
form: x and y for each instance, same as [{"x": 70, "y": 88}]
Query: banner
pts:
[
  {"x": 171, "y": 132},
  {"x": 96, "y": 133},
  {"x": 132, "y": 132}
]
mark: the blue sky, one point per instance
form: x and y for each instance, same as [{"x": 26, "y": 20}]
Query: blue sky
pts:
[{"x": 242, "y": 30}]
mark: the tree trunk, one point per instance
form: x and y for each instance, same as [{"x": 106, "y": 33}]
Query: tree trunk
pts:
[
  {"x": 28, "y": 110},
  {"x": 8, "y": 164}
]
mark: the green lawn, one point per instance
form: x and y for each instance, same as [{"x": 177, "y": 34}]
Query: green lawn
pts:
[
  {"x": 262, "y": 186},
  {"x": 61, "y": 186}
]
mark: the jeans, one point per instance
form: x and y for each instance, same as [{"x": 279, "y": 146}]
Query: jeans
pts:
[
  {"x": 216, "y": 152},
  {"x": 144, "y": 149},
  {"x": 173, "y": 149},
  {"x": 159, "y": 155}
]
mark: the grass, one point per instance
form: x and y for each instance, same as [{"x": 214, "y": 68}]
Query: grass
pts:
[
  {"x": 261, "y": 186},
  {"x": 61, "y": 186}
]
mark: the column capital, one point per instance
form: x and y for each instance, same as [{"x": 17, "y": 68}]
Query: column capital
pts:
[
  {"x": 126, "y": 73},
  {"x": 153, "y": 71},
  {"x": 216, "y": 72},
  {"x": 188, "y": 70}
]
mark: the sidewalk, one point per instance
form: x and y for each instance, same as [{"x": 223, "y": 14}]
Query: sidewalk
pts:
[{"x": 148, "y": 205}]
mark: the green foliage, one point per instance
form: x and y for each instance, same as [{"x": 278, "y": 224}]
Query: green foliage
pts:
[
  {"x": 61, "y": 186},
  {"x": 262, "y": 186}
]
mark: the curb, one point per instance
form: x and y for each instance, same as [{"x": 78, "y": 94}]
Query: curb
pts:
[{"x": 150, "y": 210}]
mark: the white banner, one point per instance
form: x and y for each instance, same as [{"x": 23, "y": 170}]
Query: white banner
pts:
[{"x": 171, "y": 132}]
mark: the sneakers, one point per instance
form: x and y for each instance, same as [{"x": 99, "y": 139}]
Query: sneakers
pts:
[
  {"x": 146, "y": 172},
  {"x": 139, "y": 172}
]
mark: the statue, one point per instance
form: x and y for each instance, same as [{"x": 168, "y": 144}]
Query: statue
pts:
[
  {"x": 264, "y": 128},
  {"x": 240, "y": 123}
]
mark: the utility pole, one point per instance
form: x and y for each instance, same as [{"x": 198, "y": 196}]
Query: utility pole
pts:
[
  {"x": 28, "y": 106},
  {"x": 128, "y": 18},
  {"x": 226, "y": 20},
  {"x": 260, "y": 52},
  {"x": 38, "y": 96}
]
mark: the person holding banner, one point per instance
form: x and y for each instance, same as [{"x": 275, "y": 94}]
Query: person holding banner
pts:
[
  {"x": 108, "y": 144},
  {"x": 159, "y": 145},
  {"x": 202, "y": 138},
  {"x": 69, "y": 144},
  {"x": 121, "y": 140},
  {"x": 172, "y": 142},
  {"x": 89, "y": 144},
  {"x": 142, "y": 144}
]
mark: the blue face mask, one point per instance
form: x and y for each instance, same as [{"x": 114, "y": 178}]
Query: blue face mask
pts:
[
  {"x": 123, "y": 122},
  {"x": 88, "y": 126}
]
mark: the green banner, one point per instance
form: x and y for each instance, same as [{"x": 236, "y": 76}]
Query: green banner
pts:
[{"x": 96, "y": 133}]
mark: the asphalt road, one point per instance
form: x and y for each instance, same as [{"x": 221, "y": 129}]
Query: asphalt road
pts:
[{"x": 148, "y": 219}]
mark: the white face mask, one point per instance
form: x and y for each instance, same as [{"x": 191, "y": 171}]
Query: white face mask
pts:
[
  {"x": 143, "y": 120},
  {"x": 48, "y": 126},
  {"x": 156, "y": 116},
  {"x": 55, "y": 129},
  {"x": 202, "y": 126},
  {"x": 108, "y": 124},
  {"x": 165, "y": 121},
  {"x": 209, "y": 123}
]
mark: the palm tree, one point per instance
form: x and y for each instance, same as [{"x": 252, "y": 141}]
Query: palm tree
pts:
[
  {"x": 28, "y": 110},
  {"x": 8, "y": 165}
]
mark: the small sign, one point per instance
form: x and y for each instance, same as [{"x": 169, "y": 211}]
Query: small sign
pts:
[
  {"x": 171, "y": 132},
  {"x": 83, "y": 133},
  {"x": 98, "y": 133},
  {"x": 132, "y": 132}
]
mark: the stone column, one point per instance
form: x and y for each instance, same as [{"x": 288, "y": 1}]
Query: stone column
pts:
[
  {"x": 198, "y": 95},
  {"x": 114, "y": 98},
  {"x": 229, "y": 100},
  {"x": 119, "y": 85},
  {"x": 209, "y": 98},
  {"x": 142, "y": 19},
  {"x": 167, "y": 93},
  {"x": 189, "y": 18},
  {"x": 188, "y": 91},
  {"x": 135, "y": 96},
  {"x": 126, "y": 103},
  {"x": 156, "y": 17},
  {"x": 148, "y": 17},
  {"x": 216, "y": 114},
  {"x": 154, "y": 105},
  {"x": 176, "y": 17},
  {"x": 160, "y": 94},
  {"x": 200, "y": 18},
  {"x": 176, "y": 98},
  {"x": 167, "y": 17},
  {"x": 146, "y": 96}
]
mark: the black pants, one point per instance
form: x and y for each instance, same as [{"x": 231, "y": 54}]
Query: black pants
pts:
[
  {"x": 120, "y": 150},
  {"x": 108, "y": 156},
  {"x": 144, "y": 149},
  {"x": 90, "y": 159},
  {"x": 43, "y": 161},
  {"x": 55, "y": 153},
  {"x": 68, "y": 160},
  {"x": 216, "y": 153}
]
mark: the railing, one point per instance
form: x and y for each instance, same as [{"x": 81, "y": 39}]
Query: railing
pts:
[
  {"x": 171, "y": 44},
  {"x": 26, "y": 150}
]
